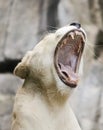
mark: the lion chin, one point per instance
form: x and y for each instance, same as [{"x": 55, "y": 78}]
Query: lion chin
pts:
[{"x": 50, "y": 72}]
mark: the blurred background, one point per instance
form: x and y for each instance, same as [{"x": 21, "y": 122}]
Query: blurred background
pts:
[{"x": 25, "y": 22}]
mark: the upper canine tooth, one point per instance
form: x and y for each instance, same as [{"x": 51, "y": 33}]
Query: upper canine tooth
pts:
[
  {"x": 79, "y": 33},
  {"x": 72, "y": 35},
  {"x": 76, "y": 32},
  {"x": 83, "y": 38}
]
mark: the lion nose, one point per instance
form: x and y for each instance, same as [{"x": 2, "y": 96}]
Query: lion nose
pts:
[{"x": 78, "y": 25}]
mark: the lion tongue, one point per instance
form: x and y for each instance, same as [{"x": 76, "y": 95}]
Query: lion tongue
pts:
[{"x": 69, "y": 73}]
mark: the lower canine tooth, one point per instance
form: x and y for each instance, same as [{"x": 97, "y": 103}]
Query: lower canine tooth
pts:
[
  {"x": 79, "y": 48},
  {"x": 64, "y": 41},
  {"x": 61, "y": 46}
]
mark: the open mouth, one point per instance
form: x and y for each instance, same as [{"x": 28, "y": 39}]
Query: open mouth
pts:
[{"x": 67, "y": 57}]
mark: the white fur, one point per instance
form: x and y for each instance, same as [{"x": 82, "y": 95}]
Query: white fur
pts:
[{"x": 42, "y": 102}]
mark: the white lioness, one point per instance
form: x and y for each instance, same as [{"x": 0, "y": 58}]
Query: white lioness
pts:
[{"x": 50, "y": 71}]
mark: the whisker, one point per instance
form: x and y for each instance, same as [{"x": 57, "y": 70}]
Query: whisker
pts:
[
  {"x": 95, "y": 45},
  {"x": 52, "y": 27}
]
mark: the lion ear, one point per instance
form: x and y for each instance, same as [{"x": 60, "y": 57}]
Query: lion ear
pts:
[{"x": 21, "y": 70}]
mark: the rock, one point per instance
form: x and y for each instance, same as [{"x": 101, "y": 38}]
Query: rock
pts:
[
  {"x": 6, "y": 104},
  {"x": 22, "y": 28},
  {"x": 9, "y": 84},
  {"x": 69, "y": 11},
  {"x": 8, "y": 87},
  {"x": 5, "y": 122},
  {"x": 4, "y": 14},
  {"x": 6, "y": 108}
]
